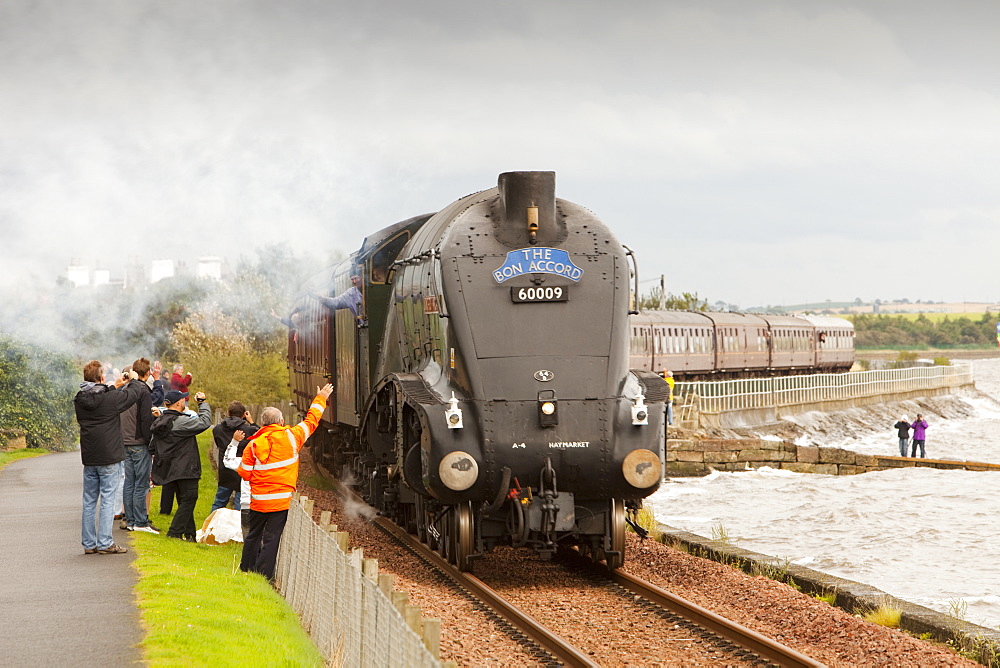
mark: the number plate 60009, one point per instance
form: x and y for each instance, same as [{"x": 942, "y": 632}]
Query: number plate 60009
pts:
[{"x": 539, "y": 294}]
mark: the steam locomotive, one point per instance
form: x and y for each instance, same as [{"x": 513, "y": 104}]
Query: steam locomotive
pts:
[
  {"x": 483, "y": 394},
  {"x": 716, "y": 346}
]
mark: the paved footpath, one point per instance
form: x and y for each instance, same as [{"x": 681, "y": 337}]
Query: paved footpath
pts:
[{"x": 58, "y": 606}]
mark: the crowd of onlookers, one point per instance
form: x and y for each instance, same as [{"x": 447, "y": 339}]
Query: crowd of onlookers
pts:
[{"x": 138, "y": 432}]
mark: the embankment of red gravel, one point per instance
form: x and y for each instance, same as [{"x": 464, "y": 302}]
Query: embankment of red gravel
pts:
[{"x": 850, "y": 596}]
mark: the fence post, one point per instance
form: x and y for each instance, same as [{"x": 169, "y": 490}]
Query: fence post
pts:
[
  {"x": 385, "y": 583},
  {"x": 432, "y": 636}
]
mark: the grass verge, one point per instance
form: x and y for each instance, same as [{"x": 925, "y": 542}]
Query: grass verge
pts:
[
  {"x": 24, "y": 453},
  {"x": 198, "y": 609}
]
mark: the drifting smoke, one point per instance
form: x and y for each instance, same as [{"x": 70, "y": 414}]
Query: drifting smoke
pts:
[
  {"x": 118, "y": 325},
  {"x": 354, "y": 509}
]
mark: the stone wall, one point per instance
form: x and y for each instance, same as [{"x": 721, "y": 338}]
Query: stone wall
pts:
[{"x": 700, "y": 457}]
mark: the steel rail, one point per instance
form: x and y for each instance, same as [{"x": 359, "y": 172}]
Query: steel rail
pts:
[
  {"x": 558, "y": 647},
  {"x": 735, "y": 633}
]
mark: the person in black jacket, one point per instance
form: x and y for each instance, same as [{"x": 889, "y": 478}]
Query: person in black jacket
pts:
[
  {"x": 102, "y": 450},
  {"x": 176, "y": 458},
  {"x": 239, "y": 419},
  {"x": 137, "y": 422},
  {"x": 903, "y": 431}
]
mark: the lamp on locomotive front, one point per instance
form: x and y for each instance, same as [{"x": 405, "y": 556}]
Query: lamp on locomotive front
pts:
[
  {"x": 640, "y": 414},
  {"x": 453, "y": 414},
  {"x": 548, "y": 409}
]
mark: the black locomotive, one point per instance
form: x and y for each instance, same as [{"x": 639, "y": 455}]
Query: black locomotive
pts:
[{"x": 480, "y": 357}]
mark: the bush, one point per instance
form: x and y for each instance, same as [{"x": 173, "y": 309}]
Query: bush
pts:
[
  {"x": 36, "y": 394},
  {"x": 942, "y": 361},
  {"x": 905, "y": 358}
]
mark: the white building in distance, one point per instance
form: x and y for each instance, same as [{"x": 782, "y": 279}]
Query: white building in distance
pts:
[
  {"x": 78, "y": 274},
  {"x": 210, "y": 267},
  {"x": 161, "y": 269}
]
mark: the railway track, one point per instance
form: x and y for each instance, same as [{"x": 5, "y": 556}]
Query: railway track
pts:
[
  {"x": 737, "y": 634},
  {"x": 548, "y": 644},
  {"x": 739, "y": 642}
]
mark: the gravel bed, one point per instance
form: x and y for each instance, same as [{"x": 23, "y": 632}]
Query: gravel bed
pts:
[
  {"x": 806, "y": 624},
  {"x": 615, "y": 627},
  {"x": 617, "y": 630}
]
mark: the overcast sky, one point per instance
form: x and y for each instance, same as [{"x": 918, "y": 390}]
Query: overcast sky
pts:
[{"x": 771, "y": 152}]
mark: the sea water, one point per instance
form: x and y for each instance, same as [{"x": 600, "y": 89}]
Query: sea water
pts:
[{"x": 924, "y": 535}]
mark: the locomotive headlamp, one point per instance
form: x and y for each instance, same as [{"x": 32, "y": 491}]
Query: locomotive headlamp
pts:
[
  {"x": 548, "y": 409},
  {"x": 453, "y": 414},
  {"x": 640, "y": 415}
]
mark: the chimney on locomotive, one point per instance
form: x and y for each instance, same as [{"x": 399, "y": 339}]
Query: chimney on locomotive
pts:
[{"x": 526, "y": 209}]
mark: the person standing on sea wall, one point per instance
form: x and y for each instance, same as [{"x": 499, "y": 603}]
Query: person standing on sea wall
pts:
[
  {"x": 919, "y": 435},
  {"x": 903, "y": 429}
]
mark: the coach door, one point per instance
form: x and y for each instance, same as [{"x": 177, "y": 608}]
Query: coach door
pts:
[{"x": 346, "y": 349}]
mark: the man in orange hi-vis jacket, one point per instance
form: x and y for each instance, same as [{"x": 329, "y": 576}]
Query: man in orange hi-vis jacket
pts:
[{"x": 271, "y": 465}]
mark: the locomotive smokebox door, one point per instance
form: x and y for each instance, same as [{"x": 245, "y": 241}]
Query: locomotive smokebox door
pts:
[{"x": 526, "y": 209}]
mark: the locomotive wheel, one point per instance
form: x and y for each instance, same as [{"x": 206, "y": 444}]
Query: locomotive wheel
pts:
[
  {"x": 456, "y": 545},
  {"x": 616, "y": 535},
  {"x": 420, "y": 517}
]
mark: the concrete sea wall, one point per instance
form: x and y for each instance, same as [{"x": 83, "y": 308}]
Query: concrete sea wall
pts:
[{"x": 690, "y": 457}]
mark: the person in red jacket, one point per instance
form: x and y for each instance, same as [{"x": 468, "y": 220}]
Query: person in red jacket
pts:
[
  {"x": 271, "y": 465},
  {"x": 179, "y": 380}
]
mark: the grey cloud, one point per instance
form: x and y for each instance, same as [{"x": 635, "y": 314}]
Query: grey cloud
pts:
[{"x": 173, "y": 129}]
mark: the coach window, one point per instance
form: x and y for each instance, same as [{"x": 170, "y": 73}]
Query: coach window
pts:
[{"x": 638, "y": 342}]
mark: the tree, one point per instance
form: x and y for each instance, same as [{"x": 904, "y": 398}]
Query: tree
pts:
[
  {"x": 167, "y": 303},
  {"x": 687, "y": 301},
  {"x": 36, "y": 394},
  {"x": 228, "y": 363},
  {"x": 877, "y": 331}
]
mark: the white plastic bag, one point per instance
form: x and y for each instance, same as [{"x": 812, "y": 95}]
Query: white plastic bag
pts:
[{"x": 222, "y": 526}]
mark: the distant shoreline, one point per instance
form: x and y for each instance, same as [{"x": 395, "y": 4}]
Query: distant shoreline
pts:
[{"x": 930, "y": 353}]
